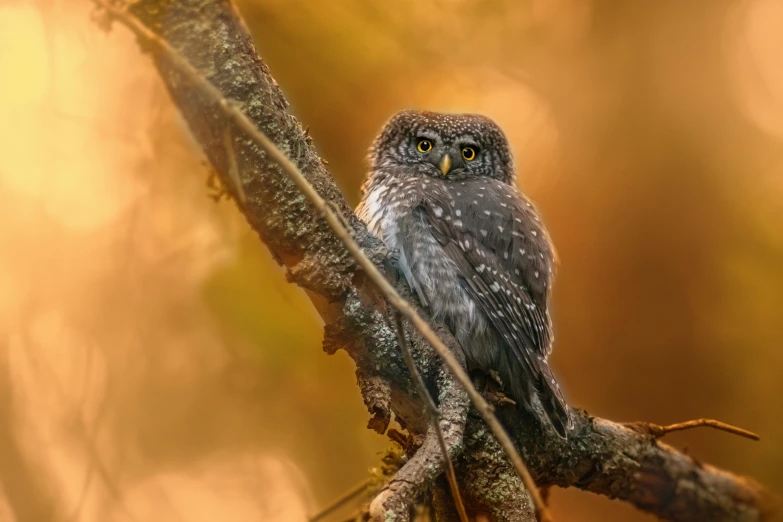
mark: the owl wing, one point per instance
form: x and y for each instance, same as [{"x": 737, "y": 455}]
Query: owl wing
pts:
[
  {"x": 502, "y": 252},
  {"x": 496, "y": 240}
]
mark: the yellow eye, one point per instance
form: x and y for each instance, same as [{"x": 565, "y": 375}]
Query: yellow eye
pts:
[
  {"x": 424, "y": 146},
  {"x": 469, "y": 153}
]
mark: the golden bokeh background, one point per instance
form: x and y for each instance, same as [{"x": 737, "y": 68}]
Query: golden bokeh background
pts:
[{"x": 154, "y": 364}]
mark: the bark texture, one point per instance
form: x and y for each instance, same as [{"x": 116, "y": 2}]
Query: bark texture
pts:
[{"x": 601, "y": 456}]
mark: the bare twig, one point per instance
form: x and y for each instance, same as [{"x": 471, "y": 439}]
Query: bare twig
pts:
[
  {"x": 341, "y": 501},
  {"x": 233, "y": 169},
  {"x": 238, "y": 118},
  {"x": 434, "y": 415},
  {"x": 657, "y": 431}
]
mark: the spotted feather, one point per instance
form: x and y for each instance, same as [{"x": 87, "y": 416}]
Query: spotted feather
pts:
[{"x": 472, "y": 248}]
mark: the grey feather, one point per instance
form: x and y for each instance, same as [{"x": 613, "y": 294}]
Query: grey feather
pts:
[{"x": 471, "y": 246}]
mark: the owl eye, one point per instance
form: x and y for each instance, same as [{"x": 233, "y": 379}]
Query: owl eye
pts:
[
  {"x": 469, "y": 153},
  {"x": 424, "y": 146}
]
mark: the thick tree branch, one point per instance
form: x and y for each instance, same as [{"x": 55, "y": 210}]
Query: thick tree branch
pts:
[
  {"x": 436, "y": 417},
  {"x": 610, "y": 459},
  {"x": 600, "y": 456},
  {"x": 490, "y": 483},
  {"x": 427, "y": 462}
]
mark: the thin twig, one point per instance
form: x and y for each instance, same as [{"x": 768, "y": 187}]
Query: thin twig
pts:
[
  {"x": 341, "y": 501},
  {"x": 434, "y": 416},
  {"x": 233, "y": 169},
  {"x": 658, "y": 431},
  {"x": 243, "y": 122}
]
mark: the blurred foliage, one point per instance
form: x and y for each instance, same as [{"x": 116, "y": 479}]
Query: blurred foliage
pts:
[{"x": 153, "y": 354}]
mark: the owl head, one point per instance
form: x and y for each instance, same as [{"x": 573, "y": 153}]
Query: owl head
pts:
[{"x": 453, "y": 147}]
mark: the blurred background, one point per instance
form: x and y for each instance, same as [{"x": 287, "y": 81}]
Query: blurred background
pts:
[{"x": 154, "y": 364}]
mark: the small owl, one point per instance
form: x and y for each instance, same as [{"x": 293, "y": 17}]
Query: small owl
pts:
[{"x": 441, "y": 194}]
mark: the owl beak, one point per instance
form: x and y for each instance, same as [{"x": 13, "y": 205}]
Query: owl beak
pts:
[{"x": 445, "y": 164}]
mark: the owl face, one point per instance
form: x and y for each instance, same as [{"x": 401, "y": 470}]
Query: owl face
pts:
[{"x": 452, "y": 147}]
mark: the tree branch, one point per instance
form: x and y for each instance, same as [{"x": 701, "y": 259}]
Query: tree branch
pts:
[
  {"x": 600, "y": 456},
  {"x": 610, "y": 459},
  {"x": 428, "y": 462},
  {"x": 658, "y": 431},
  {"x": 436, "y": 418}
]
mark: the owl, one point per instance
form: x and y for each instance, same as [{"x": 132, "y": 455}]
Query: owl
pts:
[{"x": 441, "y": 194}]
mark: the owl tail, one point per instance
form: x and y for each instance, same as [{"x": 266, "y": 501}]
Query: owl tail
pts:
[
  {"x": 523, "y": 386},
  {"x": 553, "y": 403}
]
